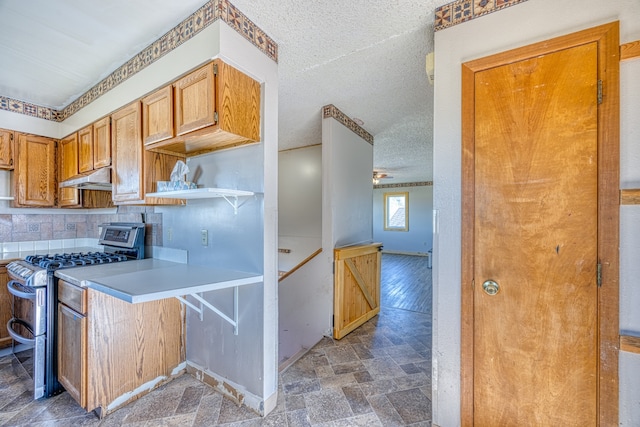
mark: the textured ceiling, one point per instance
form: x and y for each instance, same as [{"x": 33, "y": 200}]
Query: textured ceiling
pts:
[{"x": 365, "y": 57}]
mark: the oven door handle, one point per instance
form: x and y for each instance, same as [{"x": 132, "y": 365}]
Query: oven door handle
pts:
[
  {"x": 19, "y": 290},
  {"x": 16, "y": 336}
]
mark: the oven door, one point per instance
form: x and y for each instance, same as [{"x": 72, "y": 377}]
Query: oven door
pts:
[
  {"x": 28, "y": 310},
  {"x": 28, "y": 326}
]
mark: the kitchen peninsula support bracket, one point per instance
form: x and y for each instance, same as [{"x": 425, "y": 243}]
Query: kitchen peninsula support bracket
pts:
[{"x": 204, "y": 303}]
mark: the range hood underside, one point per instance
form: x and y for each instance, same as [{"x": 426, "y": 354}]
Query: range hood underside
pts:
[{"x": 95, "y": 180}]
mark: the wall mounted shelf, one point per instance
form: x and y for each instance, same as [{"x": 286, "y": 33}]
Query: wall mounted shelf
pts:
[
  {"x": 6, "y": 197},
  {"x": 630, "y": 197},
  {"x": 231, "y": 196}
]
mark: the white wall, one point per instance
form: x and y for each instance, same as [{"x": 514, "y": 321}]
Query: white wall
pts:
[
  {"x": 347, "y": 191},
  {"x": 306, "y": 297},
  {"x": 299, "y": 204},
  {"x": 512, "y": 27},
  {"x": 419, "y": 238},
  {"x": 306, "y": 308}
]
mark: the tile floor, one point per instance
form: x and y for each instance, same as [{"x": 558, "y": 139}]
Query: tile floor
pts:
[{"x": 379, "y": 375}]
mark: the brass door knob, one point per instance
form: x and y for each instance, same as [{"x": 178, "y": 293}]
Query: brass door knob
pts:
[{"x": 490, "y": 287}]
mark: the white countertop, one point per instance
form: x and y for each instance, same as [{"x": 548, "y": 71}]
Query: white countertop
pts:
[{"x": 153, "y": 279}]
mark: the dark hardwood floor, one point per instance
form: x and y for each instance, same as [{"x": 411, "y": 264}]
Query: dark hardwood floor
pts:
[{"x": 405, "y": 283}]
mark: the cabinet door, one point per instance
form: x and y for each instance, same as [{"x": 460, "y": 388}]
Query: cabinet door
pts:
[
  {"x": 157, "y": 116},
  {"x": 6, "y": 149},
  {"x": 194, "y": 103},
  {"x": 237, "y": 103},
  {"x": 68, "y": 150},
  {"x": 85, "y": 149},
  {"x": 126, "y": 139},
  {"x": 72, "y": 353},
  {"x": 5, "y": 308},
  {"x": 35, "y": 172},
  {"x": 102, "y": 143}
]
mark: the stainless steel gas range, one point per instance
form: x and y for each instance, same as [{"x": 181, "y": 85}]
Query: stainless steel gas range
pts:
[{"x": 33, "y": 288}]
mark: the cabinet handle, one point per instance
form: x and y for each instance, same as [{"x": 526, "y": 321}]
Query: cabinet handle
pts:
[{"x": 71, "y": 312}]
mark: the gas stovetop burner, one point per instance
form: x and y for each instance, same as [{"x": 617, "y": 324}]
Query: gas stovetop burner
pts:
[{"x": 56, "y": 261}]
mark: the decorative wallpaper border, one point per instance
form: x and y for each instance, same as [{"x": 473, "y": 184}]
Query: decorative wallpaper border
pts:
[
  {"x": 460, "y": 11},
  {"x": 28, "y": 109},
  {"x": 187, "y": 29},
  {"x": 332, "y": 111},
  {"x": 406, "y": 184}
]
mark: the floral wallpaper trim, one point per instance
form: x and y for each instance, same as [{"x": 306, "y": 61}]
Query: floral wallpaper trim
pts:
[
  {"x": 187, "y": 29},
  {"x": 332, "y": 111},
  {"x": 460, "y": 11},
  {"x": 406, "y": 184}
]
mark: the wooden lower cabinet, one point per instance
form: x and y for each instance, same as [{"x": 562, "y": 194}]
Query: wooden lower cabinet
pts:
[
  {"x": 72, "y": 353},
  {"x": 5, "y": 308},
  {"x": 116, "y": 347}
]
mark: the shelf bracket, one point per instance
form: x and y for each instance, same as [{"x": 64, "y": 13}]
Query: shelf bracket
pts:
[
  {"x": 206, "y": 304},
  {"x": 233, "y": 201}
]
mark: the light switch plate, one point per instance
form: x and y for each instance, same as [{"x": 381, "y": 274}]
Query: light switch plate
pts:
[{"x": 204, "y": 237}]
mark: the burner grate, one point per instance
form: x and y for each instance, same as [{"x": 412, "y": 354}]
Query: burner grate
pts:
[{"x": 74, "y": 259}]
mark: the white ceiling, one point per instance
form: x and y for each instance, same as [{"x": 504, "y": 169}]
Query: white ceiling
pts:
[{"x": 367, "y": 57}]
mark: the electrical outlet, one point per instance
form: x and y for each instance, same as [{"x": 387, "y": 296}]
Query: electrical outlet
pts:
[
  {"x": 170, "y": 234},
  {"x": 204, "y": 237}
]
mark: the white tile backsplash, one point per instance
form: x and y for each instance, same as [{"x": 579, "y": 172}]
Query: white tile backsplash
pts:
[
  {"x": 87, "y": 242},
  {"x": 55, "y": 244},
  {"x": 11, "y": 247},
  {"x": 41, "y": 245},
  {"x": 27, "y": 246}
]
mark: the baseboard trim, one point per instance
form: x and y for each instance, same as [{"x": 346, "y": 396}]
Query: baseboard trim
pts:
[
  {"x": 233, "y": 391},
  {"x": 406, "y": 253}
]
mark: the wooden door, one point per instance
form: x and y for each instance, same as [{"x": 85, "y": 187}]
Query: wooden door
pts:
[
  {"x": 127, "y": 170},
  {"x": 85, "y": 149},
  {"x": 356, "y": 287},
  {"x": 68, "y": 151},
  {"x": 35, "y": 171},
  {"x": 5, "y": 307},
  {"x": 102, "y": 143},
  {"x": 6, "y": 149},
  {"x": 194, "y": 102},
  {"x": 72, "y": 353},
  {"x": 157, "y": 116},
  {"x": 534, "y": 198}
]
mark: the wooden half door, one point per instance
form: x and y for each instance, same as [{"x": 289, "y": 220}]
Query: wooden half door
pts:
[
  {"x": 533, "y": 209},
  {"x": 356, "y": 296}
]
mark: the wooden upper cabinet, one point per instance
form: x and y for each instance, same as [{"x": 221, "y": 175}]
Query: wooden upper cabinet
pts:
[
  {"x": 126, "y": 143},
  {"x": 102, "y": 143},
  {"x": 68, "y": 166},
  {"x": 135, "y": 170},
  {"x": 85, "y": 149},
  {"x": 35, "y": 171},
  {"x": 94, "y": 145},
  {"x": 157, "y": 116},
  {"x": 214, "y": 107},
  {"x": 195, "y": 100},
  {"x": 6, "y": 149}
]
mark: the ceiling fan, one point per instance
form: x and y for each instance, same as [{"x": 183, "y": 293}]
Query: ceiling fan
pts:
[{"x": 377, "y": 176}]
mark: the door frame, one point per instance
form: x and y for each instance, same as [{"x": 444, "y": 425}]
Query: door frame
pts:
[{"x": 607, "y": 37}]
